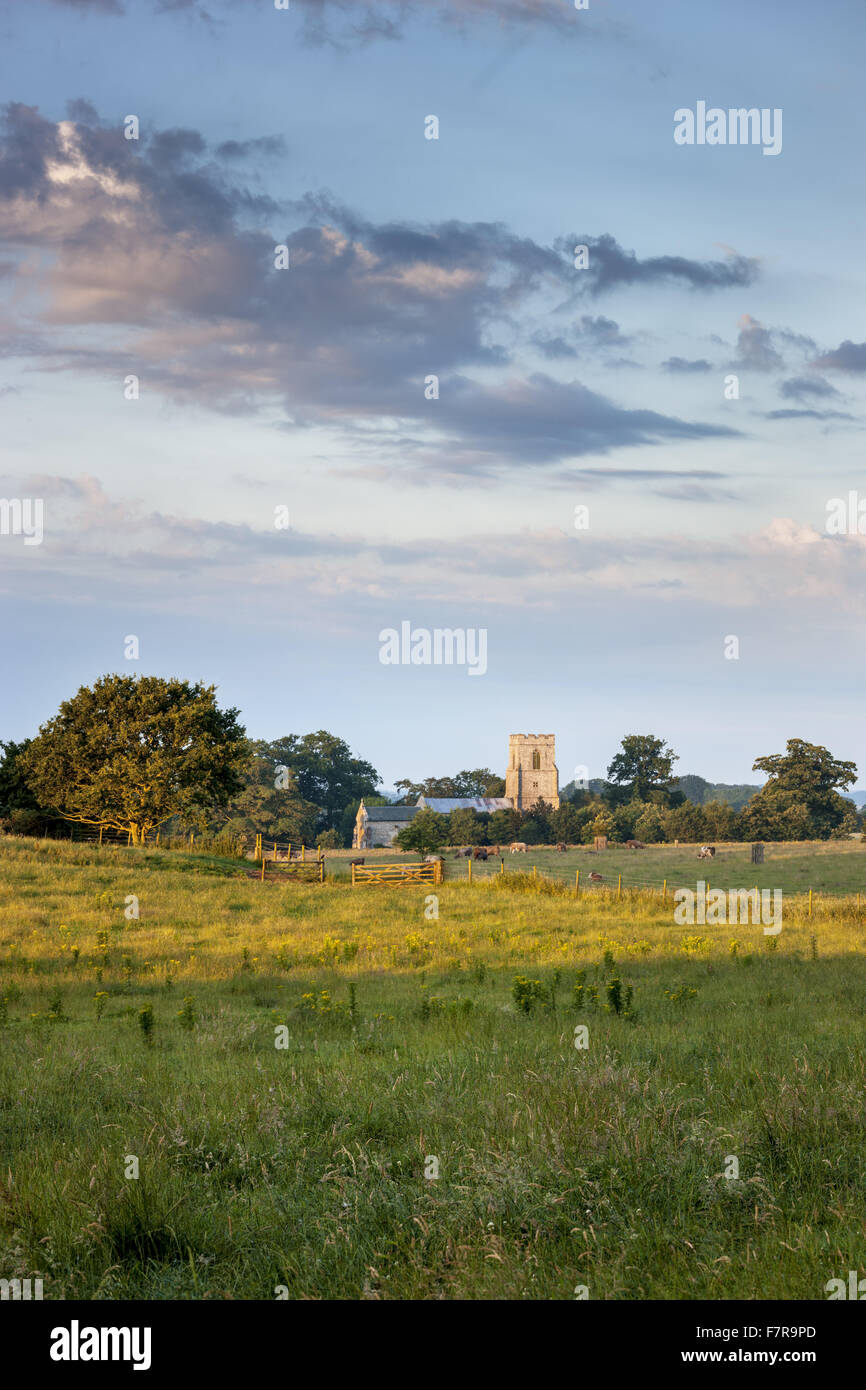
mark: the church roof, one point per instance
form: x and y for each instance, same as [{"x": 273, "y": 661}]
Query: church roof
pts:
[
  {"x": 390, "y": 813},
  {"x": 444, "y": 804}
]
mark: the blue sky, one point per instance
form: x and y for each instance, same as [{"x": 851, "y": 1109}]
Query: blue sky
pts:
[{"x": 305, "y": 388}]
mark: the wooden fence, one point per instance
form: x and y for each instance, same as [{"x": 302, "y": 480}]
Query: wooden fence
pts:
[
  {"x": 276, "y": 850},
  {"x": 293, "y": 871},
  {"x": 396, "y": 873}
]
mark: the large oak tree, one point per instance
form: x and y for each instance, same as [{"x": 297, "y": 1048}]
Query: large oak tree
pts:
[{"x": 130, "y": 752}]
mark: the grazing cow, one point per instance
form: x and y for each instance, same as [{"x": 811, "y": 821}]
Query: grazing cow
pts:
[
  {"x": 480, "y": 853},
  {"x": 707, "y": 852},
  {"x": 518, "y": 847},
  {"x": 595, "y": 878},
  {"x": 355, "y": 861},
  {"x": 562, "y": 848},
  {"x": 634, "y": 844},
  {"x": 493, "y": 850},
  {"x": 433, "y": 859}
]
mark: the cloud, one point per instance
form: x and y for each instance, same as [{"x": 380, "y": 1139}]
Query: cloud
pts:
[
  {"x": 229, "y": 565},
  {"x": 684, "y": 364},
  {"x": 174, "y": 259},
  {"x": 803, "y": 388},
  {"x": 807, "y": 415},
  {"x": 350, "y": 22},
  {"x": 609, "y": 266},
  {"x": 847, "y": 357},
  {"x": 755, "y": 349}
]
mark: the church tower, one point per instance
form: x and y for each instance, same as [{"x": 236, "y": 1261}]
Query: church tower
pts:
[{"x": 532, "y": 773}]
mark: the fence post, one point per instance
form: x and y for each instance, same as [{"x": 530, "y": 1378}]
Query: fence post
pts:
[
  {"x": 665, "y": 889},
  {"x": 810, "y": 902},
  {"x": 577, "y": 882},
  {"x": 502, "y": 866},
  {"x": 263, "y": 869},
  {"x": 534, "y": 871},
  {"x": 619, "y": 887},
  {"x": 469, "y": 867},
  {"x": 303, "y": 853},
  {"x": 353, "y": 875},
  {"x": 100, "y": 834}
]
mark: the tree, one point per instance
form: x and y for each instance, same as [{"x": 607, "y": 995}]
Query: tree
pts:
[
  {"x": 504, "y": 826},
  {"x": 686, "y": 822},
  {"x": 721, "y": 820},
  {"x": 19, "y": 807},
  {"x": 479, "y": 782},
  {"x": 464, "y": 827},
  {"x": 650, "y": 825},
  {"x": 131, "y": 752},
  {"x": 325, "y": 773},
  {"x": 426, "y": 832},
  {"x": 269, "y": 802},
  {"x": 808, "y": 774},
  {"x": 643, "y": 767}
]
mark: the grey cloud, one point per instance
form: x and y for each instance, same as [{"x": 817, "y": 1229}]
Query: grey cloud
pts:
[
  {"x": 685, "y": 364},
  {"x": 346, "y": 338},
  {"x": 611, "y": 266},
  {"x": 847, "y": 357},
  {"x": 807, "y": 415},
  {"x": 755, "y": 350},
  {"x": 802, "y": 388}
]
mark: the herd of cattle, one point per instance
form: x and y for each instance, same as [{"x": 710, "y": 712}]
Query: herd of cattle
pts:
[{"x": 485, "y": 852}]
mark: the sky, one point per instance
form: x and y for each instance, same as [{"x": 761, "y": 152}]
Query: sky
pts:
[{"x": 624, "y": 464}]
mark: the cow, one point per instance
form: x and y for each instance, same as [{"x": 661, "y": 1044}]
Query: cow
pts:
[
  {"x": 355, "y": 861},
  {"x": 480, "y": 853},
  {"x": 433, "y": 859},
  {"x": 463, "y": 853},
  {"x": 634, "y": 844},
  {"x": 518, "y": 847},
  {"x": 562, "y": 848},
  {"x": 595, "y": 878},
  {"x": 707, "y": 852}
]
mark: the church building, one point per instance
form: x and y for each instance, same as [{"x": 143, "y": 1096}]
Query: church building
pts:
[{"x": 531, "y": 776}]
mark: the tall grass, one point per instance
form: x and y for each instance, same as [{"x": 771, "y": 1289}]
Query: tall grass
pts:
[{"x": 405, "y": 1036}]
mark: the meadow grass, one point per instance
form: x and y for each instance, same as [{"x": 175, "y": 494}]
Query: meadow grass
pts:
[{"x": 408, "y": 1039}]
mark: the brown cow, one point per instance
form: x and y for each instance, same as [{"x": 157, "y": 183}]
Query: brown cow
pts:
[
  {"x": 480, "y": 853},
  {"x": 562, "y": 848},
  {"x": 595, "y": 878},
  {"x": 355, "y": 861},
  {"x": 634, "y": 844},
  {"x": 707, "y": 852}
]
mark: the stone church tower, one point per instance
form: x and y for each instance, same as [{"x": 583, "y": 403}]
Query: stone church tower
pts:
[{"x": 532, "y": 773}]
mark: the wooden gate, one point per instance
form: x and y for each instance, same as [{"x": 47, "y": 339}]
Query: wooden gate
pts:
[{"x": 396, "y": 873}]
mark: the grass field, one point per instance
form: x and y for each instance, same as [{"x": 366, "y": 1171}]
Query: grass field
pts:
[
  {"x": 304, "y": 1166},
  {"x": 831, "y": 866}
]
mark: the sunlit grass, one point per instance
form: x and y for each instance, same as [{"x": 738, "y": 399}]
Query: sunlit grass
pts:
[{"x": 304, "y": 1165}]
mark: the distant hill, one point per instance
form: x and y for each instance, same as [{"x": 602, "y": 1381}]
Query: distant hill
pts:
[
  {"x": 696, "y": 789},
  {"x": 858, "y": 796},
  {"x": 700, "y": 791}
]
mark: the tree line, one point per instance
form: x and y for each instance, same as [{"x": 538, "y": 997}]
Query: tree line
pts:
[{"x": 137, "y": 753}]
